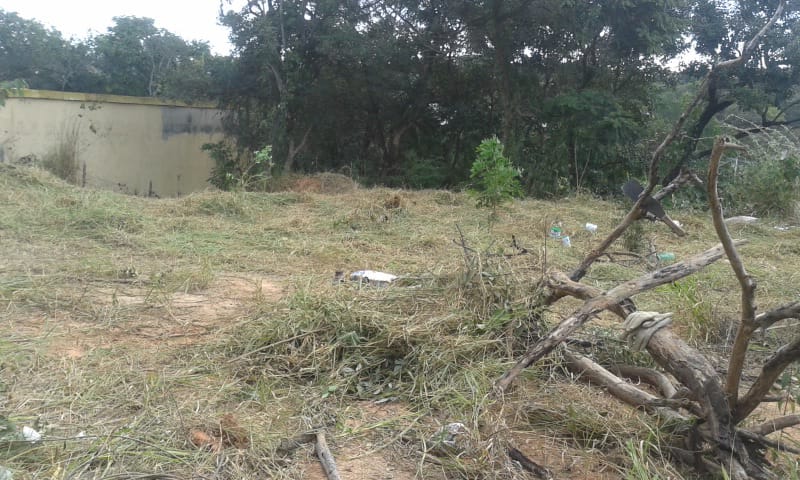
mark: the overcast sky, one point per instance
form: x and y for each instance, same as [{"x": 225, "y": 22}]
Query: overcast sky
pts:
[{"x": 189, "y": 19}]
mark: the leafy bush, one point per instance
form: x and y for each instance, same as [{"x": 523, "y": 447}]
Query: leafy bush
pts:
[
  {"x": 765, "y": 181},
  {"x": 239, "y": 170},
  {"x": 495, "y": 180},
  {"x": 770, "y": 187}
]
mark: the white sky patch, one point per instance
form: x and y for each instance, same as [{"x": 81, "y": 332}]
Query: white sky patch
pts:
[{"x": 189, "y": 19}]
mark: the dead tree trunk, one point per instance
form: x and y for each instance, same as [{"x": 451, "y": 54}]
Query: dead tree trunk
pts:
[{"x": 714, "y": 442}]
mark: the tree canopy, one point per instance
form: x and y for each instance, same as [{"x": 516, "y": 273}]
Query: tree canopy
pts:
[
  {"x": 133, "y": 57},
  {"x": 401, "y": 93}
]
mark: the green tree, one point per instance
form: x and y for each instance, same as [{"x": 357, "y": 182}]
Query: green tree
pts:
[
  {"x": 137, "y": 58},
  {"x": 40, "y": 56},
  {"x": 763, "y": 91},
  {"x": 495, "y": 179}
]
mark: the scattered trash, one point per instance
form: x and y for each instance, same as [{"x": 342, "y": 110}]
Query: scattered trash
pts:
[
  {"x": 783, "y": 228},
  {"x": 372, "y": 277},
  {"x": 741, "y": 219},
  {"x": 566, "y": 242},
  {"x": 30, "y": 434},
  {"x": 665, "y": 257},
  {"x": 556, "y": 232},
  {"x": 591, "y": 227}
]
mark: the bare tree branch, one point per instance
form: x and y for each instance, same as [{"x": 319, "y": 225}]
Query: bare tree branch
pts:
[
  {"x": 747, "y": 323},
  {"x": 770, "y": 372},
  {"x": 635, "y": 211},
  {"x": 592, "y": 372},
  {"x": 647, "y": 375},
  {"x": 596, "y": 305},
  {"x": 767, "y": 319},
  {"x": 776, "y": 424}
]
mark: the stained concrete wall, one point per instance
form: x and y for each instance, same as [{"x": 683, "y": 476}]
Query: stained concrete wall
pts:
[{"x": 136, "y": 145}]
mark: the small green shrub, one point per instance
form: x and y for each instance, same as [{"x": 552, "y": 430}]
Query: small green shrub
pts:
[
  {"x": 765, "y": 181},
  {"x": 239, "y": 170},
  {"x": 495, "y": 180},
  {"x": 770, "y": 187}
]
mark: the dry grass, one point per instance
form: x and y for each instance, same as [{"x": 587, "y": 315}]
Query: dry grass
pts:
[{"x": 136, "y": 325}]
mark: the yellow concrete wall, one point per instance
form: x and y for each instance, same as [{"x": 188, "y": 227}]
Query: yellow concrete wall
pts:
[{"x": 134, "y": 145}]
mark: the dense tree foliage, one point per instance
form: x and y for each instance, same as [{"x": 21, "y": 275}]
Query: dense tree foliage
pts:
[
  {"x": 401, "y": 93},
  {"x": 132, "y": 58}
]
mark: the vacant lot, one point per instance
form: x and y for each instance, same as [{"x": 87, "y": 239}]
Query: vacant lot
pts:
[{"x": 187, "y": 338}]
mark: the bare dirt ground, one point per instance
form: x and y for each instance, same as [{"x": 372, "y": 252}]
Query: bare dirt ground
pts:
[
  {"x": 159, "y": 322},
  {"x": 158, "y": 326}
]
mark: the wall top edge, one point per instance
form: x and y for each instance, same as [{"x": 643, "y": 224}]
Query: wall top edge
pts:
[{"x": 103, "y": 98}]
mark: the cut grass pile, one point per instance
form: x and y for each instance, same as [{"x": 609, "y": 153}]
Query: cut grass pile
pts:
[{"x": 137, "y": 326}]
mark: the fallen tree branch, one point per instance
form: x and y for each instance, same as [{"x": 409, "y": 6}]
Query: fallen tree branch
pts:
[
  {"x": 684, "y": 178},
  {"x": 590, "y": 371},
  {"x": 560, "y": 283},
  {"x": 776, "y": 424},
  {"x": 646, "y": 375},
  {"x": 757, "y": 439},
  {"x": 676, "y": 229},
  {"x": 596, "y": 305},
  {"x": 326, "y": 457}
]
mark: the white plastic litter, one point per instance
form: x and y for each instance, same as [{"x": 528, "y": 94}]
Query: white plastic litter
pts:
[
  {"x": 30, "y": 434},
  {"x": 591, "y": 227},
  {"x": 373, "y": 277},
  {"x": 741, "y": 219}
]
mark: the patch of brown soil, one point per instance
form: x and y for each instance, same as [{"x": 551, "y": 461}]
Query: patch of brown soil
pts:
[
  {"x": 379, "y": 466},
  {"x": 364, "y": 454},
  {"x": 565, "y": 461},
  {"x": 134, "y": 317}
]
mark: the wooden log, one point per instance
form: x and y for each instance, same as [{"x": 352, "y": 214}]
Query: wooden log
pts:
[
  {"x": 326, "y": 457},
  {"x": 594, "y": 306},
  {"x": 776, "y": 424}
]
